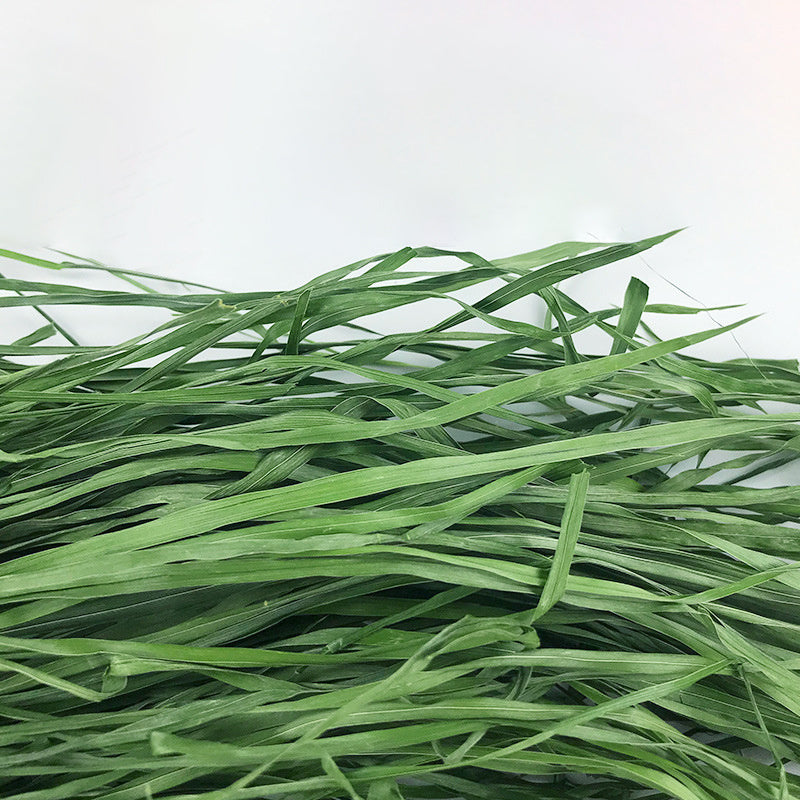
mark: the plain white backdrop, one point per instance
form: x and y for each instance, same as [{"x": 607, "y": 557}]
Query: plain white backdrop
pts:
[{"x": 254, "y": 143}]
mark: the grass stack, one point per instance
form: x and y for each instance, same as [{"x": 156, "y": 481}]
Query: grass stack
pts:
[{"x": 264, "y": 551}]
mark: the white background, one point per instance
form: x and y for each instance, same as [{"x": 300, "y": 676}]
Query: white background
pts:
[{"x": 254, "y": 144}]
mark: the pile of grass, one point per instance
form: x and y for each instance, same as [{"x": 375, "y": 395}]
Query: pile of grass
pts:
[{"x": 263, "y": 551}]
